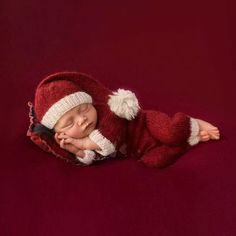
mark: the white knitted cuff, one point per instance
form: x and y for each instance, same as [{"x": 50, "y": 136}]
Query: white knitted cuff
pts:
[
  {"x": 88, "y": 158},
  {"x": 106, "y": 145},
  {"x": 194, "y": 138}
]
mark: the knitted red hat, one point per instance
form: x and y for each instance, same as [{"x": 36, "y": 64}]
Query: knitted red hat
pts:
[
  {"x": 60, "y": 92},
  {"x": 56, "y": 95}
]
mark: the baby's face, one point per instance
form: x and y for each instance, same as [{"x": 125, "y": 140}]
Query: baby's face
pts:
[{"x": 78, "y": 122}]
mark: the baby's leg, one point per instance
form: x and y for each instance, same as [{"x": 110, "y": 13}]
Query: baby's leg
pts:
[
  {"x": 163, "y": 156},
  {"x": 169, "y": 130},
  {"x": 179, "y": 129}
]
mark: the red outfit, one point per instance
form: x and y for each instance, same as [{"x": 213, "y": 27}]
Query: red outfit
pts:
[
  {"x": 150, "y": 136},
  {"x": 160, "y": 140}
]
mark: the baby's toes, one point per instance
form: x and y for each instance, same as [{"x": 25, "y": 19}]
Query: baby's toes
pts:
[
  {"x": 215, "y": 136},
  {"x": 204, "y": 137},
  {"x": 215, "y": 130}
]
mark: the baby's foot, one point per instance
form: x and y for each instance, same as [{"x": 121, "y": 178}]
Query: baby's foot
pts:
[{"x": 207, "y": 131}]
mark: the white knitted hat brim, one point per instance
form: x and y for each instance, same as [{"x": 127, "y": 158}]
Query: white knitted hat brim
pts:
[{"x": 58, "y": 109}]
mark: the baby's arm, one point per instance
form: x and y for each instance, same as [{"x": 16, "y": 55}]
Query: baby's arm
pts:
[
  {"x": 69, "y": 147},
  {"x": 85, "y": 156},
  {"x": 83, "y": 144}
]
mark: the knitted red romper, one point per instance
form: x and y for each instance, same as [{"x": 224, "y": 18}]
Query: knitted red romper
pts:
[
  {"x": 159, "y": 139},
  {"x": 153, "y": 137}
]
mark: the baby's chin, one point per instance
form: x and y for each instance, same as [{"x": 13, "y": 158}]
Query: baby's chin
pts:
[{"x": 89, "y": 131}]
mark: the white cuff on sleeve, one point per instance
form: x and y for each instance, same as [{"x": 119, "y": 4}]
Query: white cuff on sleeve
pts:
[
  {"x": 106, "y": 145},
  {"x": 88, "y": 158},
  {"x": 194, "y": 138}
]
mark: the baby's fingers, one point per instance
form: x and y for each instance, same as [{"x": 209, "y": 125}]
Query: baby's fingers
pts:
[
  {"x": 56, "y": 138},
  {"x": 69, "y": 147},
  {"x": 62, "y": 143},
  {"x": 62, "y": 135},
  {"x": 69, "y": 140}
]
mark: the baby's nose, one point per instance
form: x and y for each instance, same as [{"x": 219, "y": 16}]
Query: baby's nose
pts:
[{"x": 81, "y": 120}]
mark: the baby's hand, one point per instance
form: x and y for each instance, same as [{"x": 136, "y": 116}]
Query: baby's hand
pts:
[
  {"x": 79, "y": 143},
  {"x": 67, "y": 146},
  {"x": 67, "y": 139}
]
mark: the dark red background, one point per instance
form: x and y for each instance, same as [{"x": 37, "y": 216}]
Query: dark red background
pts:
[{"x": 176, "y": 56}]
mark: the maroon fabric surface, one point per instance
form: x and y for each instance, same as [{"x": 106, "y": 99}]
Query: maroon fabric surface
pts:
[{"x": 176, "y": 56}]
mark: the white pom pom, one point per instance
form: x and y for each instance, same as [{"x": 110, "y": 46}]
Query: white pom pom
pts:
[{"x": 124, "y": 104}]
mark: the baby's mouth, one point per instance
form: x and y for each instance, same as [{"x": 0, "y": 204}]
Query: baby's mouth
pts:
[{"x": 87, "y": 125}]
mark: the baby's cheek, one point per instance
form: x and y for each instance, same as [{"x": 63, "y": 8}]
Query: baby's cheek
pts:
[{"x": 75, "y": 132}]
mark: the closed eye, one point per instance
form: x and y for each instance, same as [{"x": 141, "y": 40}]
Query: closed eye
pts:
[{"x": 67, "y": 124}]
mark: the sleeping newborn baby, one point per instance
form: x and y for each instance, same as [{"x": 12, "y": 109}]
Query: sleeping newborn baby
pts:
[{"x": 87, "y": 119}]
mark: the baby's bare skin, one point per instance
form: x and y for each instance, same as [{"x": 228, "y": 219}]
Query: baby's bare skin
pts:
[
  {"x": 68, "y": 146},
  {"x": 207, "y": 131}
]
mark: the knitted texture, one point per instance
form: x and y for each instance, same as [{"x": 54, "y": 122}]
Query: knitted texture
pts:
[
  {"x": 61, "y": 85},
  {"x": 157, "y": 139},
  {"x": 153, "y": 137},
  {"x": 49, "y": 92}
]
